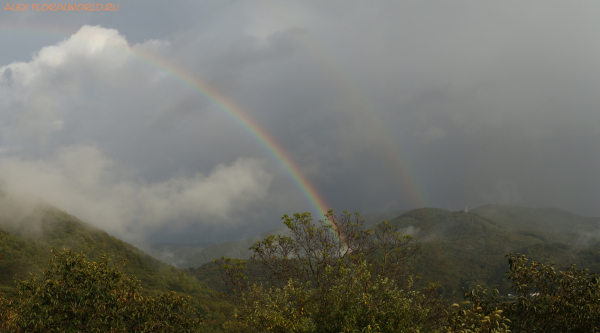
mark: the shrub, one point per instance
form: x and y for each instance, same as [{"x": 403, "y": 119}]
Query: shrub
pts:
[{"x": 76, "y": 295}]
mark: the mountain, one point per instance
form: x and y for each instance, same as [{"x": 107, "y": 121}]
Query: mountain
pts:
[
  {"x": 548, "y": 220},
  {"x": 26, "y": 242},
  {"x": 460, "y": 249},
  {"x": 172, "y": 246},
  {"x": 195, "y": 255},
  {"x": 465, "y": 249},
  {"x": 183, "y": 256}
]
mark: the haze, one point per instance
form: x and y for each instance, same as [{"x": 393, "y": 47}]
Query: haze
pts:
[{"x": 381, "y": 105}]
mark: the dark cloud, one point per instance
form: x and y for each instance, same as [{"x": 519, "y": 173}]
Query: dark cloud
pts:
[{"x": 382, "y": 105}]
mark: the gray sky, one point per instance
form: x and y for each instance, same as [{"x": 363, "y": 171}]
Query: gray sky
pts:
[{"x": 381, "y": 105}]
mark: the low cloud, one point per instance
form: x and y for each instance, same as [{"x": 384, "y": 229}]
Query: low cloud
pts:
[{"x": 84, "y": 182}]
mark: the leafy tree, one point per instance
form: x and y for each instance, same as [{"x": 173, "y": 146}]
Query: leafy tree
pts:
[
  {"x": 76, "y": 295},
  {"x": 479, "y": 313},
  {"x": 544, "y": 300},
  {"x": 332, "y": 277}
]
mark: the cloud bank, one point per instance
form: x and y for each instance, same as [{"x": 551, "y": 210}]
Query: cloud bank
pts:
[
  {"x": 84, "y": 182},
  {"x": 84, "y": 89}
]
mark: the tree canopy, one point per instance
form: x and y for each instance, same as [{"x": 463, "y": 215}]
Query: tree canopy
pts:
[
  {"x": 340, "y": 277},
  {"x": 331, "y": 277},
  {"x": 76, "y": 295},
  {"x": 543, "y": 300}
]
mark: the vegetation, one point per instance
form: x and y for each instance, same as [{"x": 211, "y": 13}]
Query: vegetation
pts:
[
  {"x": 462, "y": 250},
  {"x": 339, "y": 277},
  {"x": 544, "y": 300},
  {"x": 25, "y": 248},
  {"x": 192, "y": 256},
  {"x": 76, "y": 295},
  {"x": 539, "y": 220},
  {"x": 336, "y": 277}
]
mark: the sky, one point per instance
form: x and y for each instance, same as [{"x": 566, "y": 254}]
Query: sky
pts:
[{"x": 206, "y": 121}]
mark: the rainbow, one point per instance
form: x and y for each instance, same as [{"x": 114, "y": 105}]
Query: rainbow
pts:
[
  {"x": 389, "y": 146},
  {"x": 392, "y": 151},
  {"x": 236, "y": 112},
  {"x": 242, "y": 118}
]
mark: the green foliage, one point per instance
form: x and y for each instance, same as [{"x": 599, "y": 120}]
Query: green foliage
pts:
[
  {"x": 545, "y": 300},
  {"x": 479, "y": 313},
  {"x": 208, "y": 274},
  {"x": 462, "y": 250},
  {"x": 357, "y": 303},
  {"x": 336, "y": 277},
  {"x": 25, "y": 245},
  {"x": 76, "y": 295}
]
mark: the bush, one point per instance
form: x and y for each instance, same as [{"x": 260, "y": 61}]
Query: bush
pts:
[
  {"x": 544, "y": 300},
  {"x": 76, "y": 295}
]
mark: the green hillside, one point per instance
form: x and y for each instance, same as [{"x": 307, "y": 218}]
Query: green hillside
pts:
[
  {"x": 26, "y": 243},
  {"x": 195, "y": 255},
  {"x": 184, "y": 256},
  {"x": 462, "y": 250},
  {"x": 547, "y": 220},
  {"x": 467, "y": 249},
  {"x": 459, "y": 249}
]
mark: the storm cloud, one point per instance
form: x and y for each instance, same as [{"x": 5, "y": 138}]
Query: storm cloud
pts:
[{"x": 381, "y": 105}]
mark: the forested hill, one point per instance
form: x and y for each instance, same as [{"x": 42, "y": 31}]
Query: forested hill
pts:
[
  {"x": 195, "y": 255},
  {"x": 547, "y": 220},
  {"x": 25, "y": 248},
  {"x": 464, "y": 249}
]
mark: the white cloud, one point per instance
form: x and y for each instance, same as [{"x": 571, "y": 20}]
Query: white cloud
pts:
[
  {"x": 92, "y": 96},
  {"x": 84, "y": 182}
]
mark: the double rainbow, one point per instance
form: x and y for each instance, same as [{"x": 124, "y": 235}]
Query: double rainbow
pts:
[{"x": 317, "y": 202}]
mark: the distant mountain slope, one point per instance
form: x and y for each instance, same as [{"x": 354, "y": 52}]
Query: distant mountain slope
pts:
[
  {"x": 550, "y": 220},
  {"x": 25, "y": 248},
  {"x": 460, "y": 249},
  {"x": 467, "y": 249},
  {"x": 208, "y": 274},
  {"x": 373, "y": 218},
  {"x": 183, "y": 256}
]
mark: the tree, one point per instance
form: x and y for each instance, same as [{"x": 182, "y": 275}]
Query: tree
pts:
[
  {"x": 76, "y": 295},
  {"x": 544, "y": 300},
  {"x": 332, "y": 277}
]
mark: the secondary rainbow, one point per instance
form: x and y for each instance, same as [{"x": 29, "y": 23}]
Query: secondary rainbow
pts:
[{"x": 369, "y": 117}]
